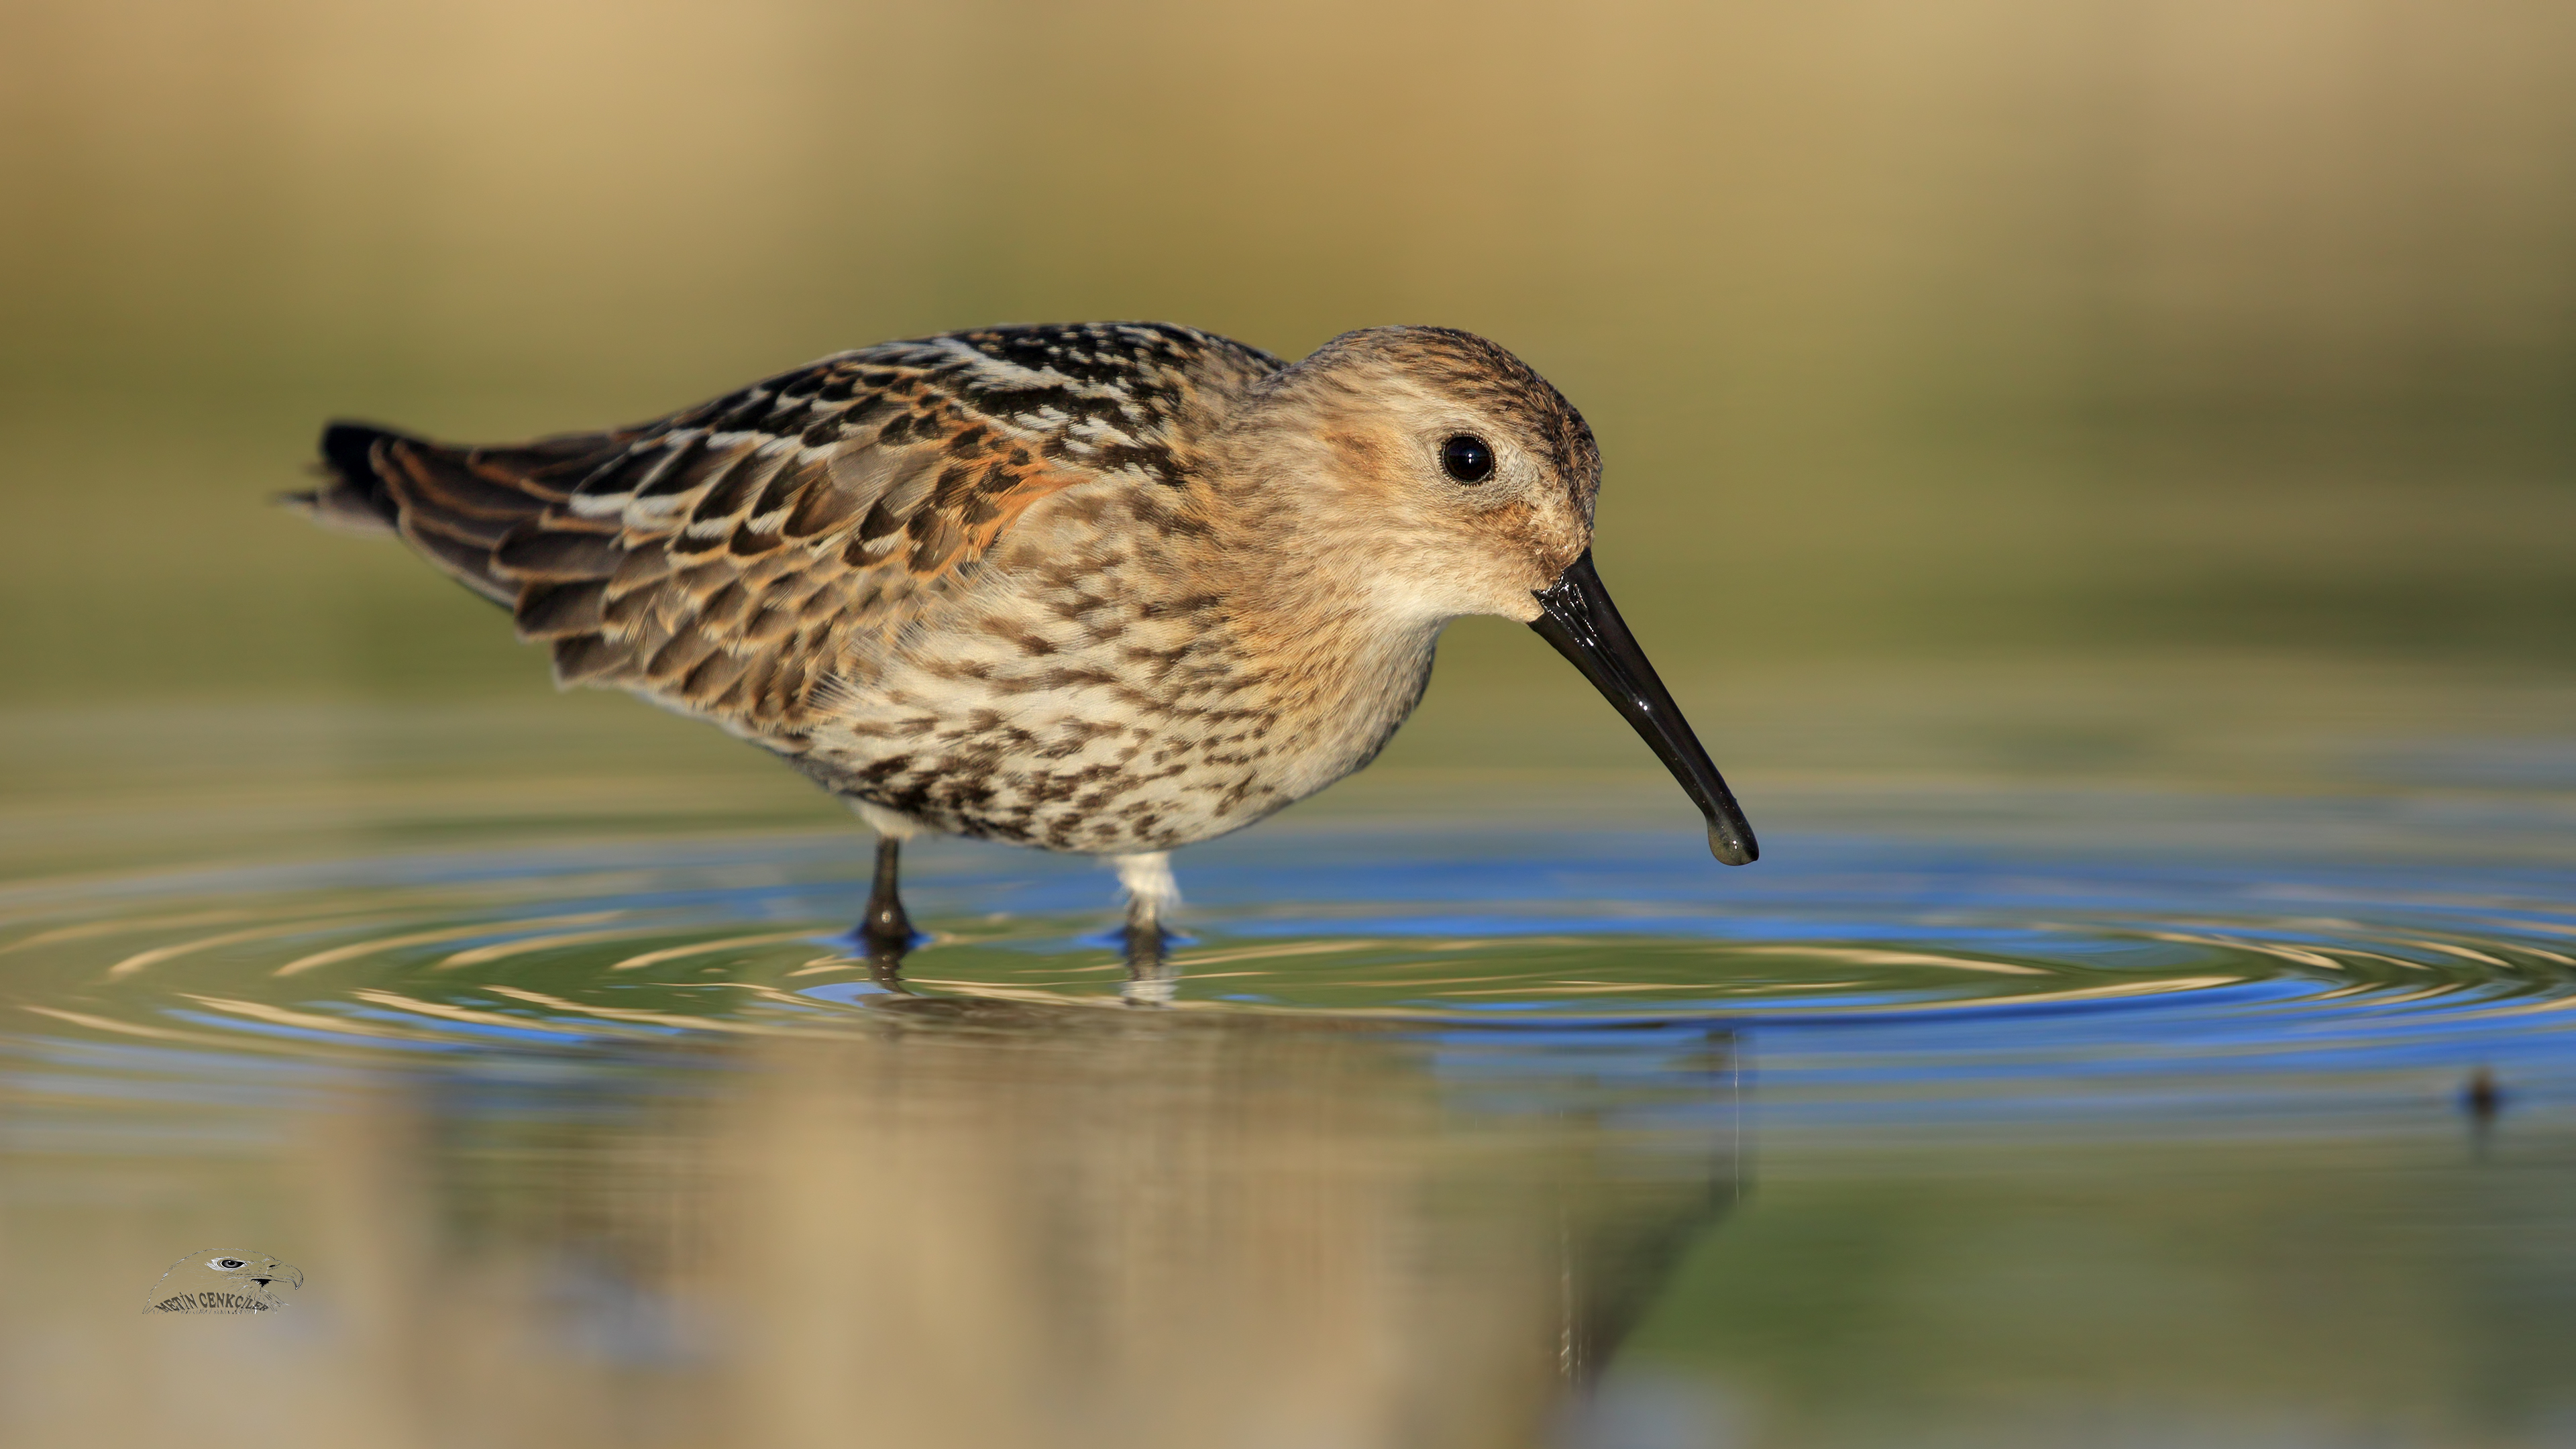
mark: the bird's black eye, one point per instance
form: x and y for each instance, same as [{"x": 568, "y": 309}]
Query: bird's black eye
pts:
[{"x": 1467, "y": 459}]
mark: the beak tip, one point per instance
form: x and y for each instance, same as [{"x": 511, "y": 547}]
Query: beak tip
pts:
[{"x": 1577, "y": 619}]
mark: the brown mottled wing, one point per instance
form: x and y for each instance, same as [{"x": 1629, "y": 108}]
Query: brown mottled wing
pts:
[{"x": 727, "y": 559}]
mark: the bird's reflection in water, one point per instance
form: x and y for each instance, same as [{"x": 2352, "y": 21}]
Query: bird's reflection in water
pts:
[{"x": 978, "y": 1221}]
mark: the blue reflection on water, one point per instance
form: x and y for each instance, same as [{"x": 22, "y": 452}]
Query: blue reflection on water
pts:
[{"x": 1864, "y": 974}]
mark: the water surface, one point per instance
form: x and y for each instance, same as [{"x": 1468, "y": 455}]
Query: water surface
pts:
[{"x": 2025, "y": 1110}]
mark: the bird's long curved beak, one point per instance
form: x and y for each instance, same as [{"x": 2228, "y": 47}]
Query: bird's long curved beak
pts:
[{"x": 1575, "y": 615}]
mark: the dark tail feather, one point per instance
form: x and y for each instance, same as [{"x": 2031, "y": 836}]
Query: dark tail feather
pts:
[
  {"x": 352, "y": 496},
  {"x": 375, "y": 480}
]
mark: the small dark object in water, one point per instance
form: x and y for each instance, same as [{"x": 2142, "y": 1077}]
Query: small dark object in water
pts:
[{"x": 2482, "y": 1099}]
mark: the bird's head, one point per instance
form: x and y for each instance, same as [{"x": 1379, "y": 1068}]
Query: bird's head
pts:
[
  {"x": 1434, "y": 467},
  {"x": 1432, "y": 474}
]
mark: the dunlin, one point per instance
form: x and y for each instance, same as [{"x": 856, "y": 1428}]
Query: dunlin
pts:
[{"x": 1109, "y": 588}]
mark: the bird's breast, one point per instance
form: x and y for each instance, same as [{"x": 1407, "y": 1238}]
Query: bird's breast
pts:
[{"x": 1080, "y": 719}]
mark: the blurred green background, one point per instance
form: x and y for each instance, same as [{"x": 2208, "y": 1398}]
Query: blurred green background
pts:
[
  {"x": 2115, "y": 390},
  {"x": 1994, "y": 329}
]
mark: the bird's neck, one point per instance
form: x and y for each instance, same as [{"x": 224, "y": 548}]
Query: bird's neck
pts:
[{"x": 1334, "y": 653}]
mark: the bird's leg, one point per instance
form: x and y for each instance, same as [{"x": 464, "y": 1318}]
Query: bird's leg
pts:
[
  {"x": 1147, "y": 880},
  {"x": 885, "y": 930}
]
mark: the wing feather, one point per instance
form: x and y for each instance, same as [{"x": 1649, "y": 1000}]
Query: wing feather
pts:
[{"x": 731, "y": 559}]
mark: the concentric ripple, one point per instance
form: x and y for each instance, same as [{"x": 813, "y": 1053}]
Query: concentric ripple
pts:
[{"x": 1869, "y": 974}]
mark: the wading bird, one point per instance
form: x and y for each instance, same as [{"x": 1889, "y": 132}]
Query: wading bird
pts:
[{"x": 1107, "y": 588}]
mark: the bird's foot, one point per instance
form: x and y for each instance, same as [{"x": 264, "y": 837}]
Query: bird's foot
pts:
[
  {"x": 885, "y": 933},
  {"x": 1151, "y": 978},
  {"x": 884, "y": 953},
  {"x": 1147, "y": 881}
]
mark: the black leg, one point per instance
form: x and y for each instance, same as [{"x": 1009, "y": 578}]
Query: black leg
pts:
[{"x": 886, "y": 931}]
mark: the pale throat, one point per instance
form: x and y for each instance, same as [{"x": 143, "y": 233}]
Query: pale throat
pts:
[{"x": 1354, "y": 686}]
